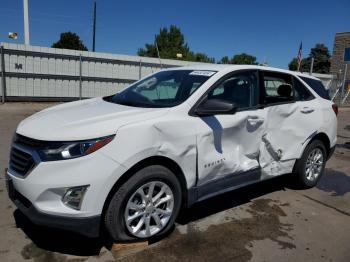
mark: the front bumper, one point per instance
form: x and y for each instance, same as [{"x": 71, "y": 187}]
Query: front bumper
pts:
[
  {"x": 46, "y": 184},
  {"x": 87, "y": 226},
  {"x": 38, "y": 194}
]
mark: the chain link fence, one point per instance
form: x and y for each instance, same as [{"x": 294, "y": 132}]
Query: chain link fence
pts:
[{"x": 339, "y": 89}]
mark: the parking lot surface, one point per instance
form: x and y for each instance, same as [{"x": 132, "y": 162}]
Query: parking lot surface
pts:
[{"x": 270, "y": 221}]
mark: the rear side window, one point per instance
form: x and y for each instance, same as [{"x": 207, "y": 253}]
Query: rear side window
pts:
[
  {"x": 277, "y": 88},
  {"x": 301, "y": 93},
  {"x": 317, "y": 86}
]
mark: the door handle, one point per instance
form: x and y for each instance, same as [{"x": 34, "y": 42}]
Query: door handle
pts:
[
  {"x": 255, "y": 120},
  {"x": 307, "y": 110}
]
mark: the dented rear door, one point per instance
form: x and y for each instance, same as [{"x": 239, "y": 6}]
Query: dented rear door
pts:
[{"x": 291, "y": 120}]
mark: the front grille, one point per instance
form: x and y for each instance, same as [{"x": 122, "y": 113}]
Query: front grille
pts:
[
  {"x": 20, "y": 161},
  {"x": 28, "y": 142}
]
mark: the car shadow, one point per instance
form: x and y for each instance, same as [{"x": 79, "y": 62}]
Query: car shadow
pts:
[
  {"x": 233, "y": 199},
  {"x": 57, "y": 240},
  {"x": 346, "y": 145},
  {"x": 215, "y": 125},
  {"x": 335, "y": 182}
]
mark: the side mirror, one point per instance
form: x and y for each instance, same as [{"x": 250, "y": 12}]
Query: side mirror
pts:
[{"x": 215, "y": 107}]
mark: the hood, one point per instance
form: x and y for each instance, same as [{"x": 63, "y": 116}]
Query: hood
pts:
[{"x": 84, "y": 119}]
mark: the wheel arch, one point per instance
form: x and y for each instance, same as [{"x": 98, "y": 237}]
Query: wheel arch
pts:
[
  {"x": 324, "y": 139},
  {"x": 154, "y": 160}
]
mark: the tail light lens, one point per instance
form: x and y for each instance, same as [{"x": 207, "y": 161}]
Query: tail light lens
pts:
[{"x": 335, "y": 109}]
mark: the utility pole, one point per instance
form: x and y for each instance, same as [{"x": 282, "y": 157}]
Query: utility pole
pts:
[
  {"x": 26, "y": 22},
  {"x": 3, "y": 76},
  {"x": 94, "y": 28},
  {"x": 160, "y": 61},
  {"x": 312, "y": 65}
]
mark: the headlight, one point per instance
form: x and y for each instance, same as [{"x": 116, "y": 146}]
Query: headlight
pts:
[{"x": 69, "y": 150}]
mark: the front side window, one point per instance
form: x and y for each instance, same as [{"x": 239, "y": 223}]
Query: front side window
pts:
[
  {"x": 240, "y": 89},
  {"x": 277, "y": 88},
  {"x": 163, "y": 89}
]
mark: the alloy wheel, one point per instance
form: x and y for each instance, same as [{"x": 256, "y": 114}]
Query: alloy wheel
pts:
[
  {"x": 149, "y": 209},
  {"x": 314, "y": 164}
]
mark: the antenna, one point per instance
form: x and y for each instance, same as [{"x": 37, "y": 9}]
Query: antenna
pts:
[
  {"x": 265, "y": 61},
  {"x": 94, "y": 28},
  {"x": 160, "y": 61}
]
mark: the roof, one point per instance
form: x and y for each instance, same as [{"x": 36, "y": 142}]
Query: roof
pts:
[{"x": 224, "y": 67}]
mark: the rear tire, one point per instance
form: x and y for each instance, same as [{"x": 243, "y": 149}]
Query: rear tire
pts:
[
  {"x": 145, "y": 206},
  {"x": 310, "y": 167}
]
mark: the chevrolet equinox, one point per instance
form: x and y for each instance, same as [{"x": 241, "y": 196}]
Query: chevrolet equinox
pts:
[{"x": 128, "y": 162}]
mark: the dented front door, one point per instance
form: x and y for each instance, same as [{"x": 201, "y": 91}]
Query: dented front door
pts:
[{"x": 228, "y": 145}]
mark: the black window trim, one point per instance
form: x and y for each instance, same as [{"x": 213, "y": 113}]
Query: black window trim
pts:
[
  {"x": 260, "y": 91},
  {"x": 222, "y": 79}
]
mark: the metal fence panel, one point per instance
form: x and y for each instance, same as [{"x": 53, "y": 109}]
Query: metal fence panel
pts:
[{"x": 49, "y": 73}]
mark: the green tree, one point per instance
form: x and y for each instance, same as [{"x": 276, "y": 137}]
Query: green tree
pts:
[
  {"x": 199, "y": 57},
  {"x": 69, "y": 40},
  {"x": 170, "y": 43},
  {"x": 240, "y": 59},
  {"x": 321, "y": 56},
  {"x": 244, "y": 59},
  {"x": 304, "y": 66},
  {"x": 224, "y": 60}
]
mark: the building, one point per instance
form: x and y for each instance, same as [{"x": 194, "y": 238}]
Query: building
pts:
[{"x": 341, "y": 55}]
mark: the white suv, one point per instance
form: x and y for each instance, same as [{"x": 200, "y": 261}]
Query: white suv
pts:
[{"x": 127, "y": 163}]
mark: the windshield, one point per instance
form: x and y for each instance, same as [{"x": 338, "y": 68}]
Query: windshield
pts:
[{"x": 163, "y": 89}]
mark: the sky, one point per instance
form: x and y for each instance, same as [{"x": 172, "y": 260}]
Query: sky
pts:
[{"x": 271, "y": 30}]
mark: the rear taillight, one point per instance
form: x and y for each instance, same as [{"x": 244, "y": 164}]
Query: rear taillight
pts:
[{"x": 335, "y": 109}]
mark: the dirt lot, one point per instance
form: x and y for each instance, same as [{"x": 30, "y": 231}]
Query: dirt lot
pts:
[{"x": 265, "y": 222}]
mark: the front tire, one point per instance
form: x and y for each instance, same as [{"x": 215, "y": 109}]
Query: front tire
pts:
[
  {"x": 145, "y": 206},
  {"x": 310, "y": 167}
]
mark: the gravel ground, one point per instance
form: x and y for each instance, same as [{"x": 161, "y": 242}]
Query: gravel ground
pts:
[{"x": 265, "y": 222}]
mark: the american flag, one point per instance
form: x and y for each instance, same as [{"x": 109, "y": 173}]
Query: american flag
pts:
[{"x": 299, "y": 55}]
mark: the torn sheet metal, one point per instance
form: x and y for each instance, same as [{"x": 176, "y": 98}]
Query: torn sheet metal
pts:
[
  {"x": 287, "y": 131},
  {"x": 270, "y": 161}
]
